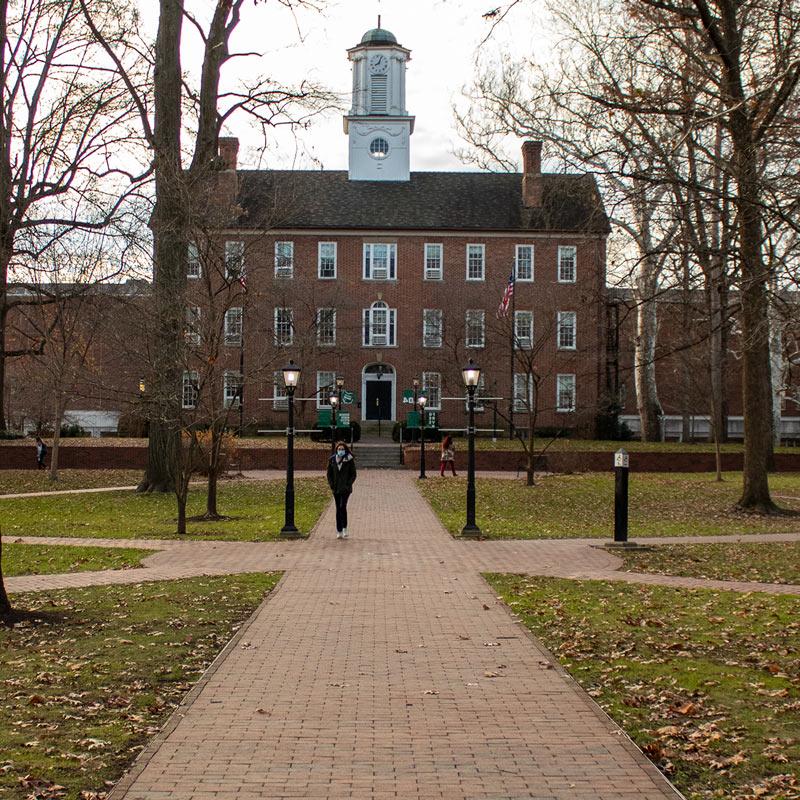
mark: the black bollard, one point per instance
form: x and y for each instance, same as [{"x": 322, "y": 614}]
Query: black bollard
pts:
[{"x": 621, "y": 496}]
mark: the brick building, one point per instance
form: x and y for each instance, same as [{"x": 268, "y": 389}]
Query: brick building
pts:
[{"x": 383, "y": 275}]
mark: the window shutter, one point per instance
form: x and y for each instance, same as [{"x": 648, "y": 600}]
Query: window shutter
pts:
[
  {"x": 366, "y": 327},
  {"x": 367, "y": 261},
  {"x": 392, "y": 318},
  {"x": 392, "y": 261}
]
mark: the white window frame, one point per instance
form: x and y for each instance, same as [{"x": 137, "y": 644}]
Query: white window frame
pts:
[
  {"x": 433, "y": 273},
  {"x": 523, "y": 342},
  {"x": 480, "y": 389},
  {"x": 189, "y": 385},
  {"x": 368, "y": 260},
  {"x": 280, "y": 399},
  {"x": 193, "y": 317},
  {"x": 231, "y": 379},
  {"x": 279, "y": 340},
  {"x": 471, "y": 315},
  {"x": 565, "y": 253},
  {"x": 326, "y": 384},
  {"x": 517, "y": 275},
  {"x": 319, "y": 327},
  {"x": 284, "y": 259},
  {"x": 432, "y": 333},
  {"x": 521, "y": 379},
  {"x": 569, "y": 378},
  {"x": 432, "y": 389},
  {"x": 481, "y": 248},
  {"x": 194, "y": 268},
  {"x": 567, "y": 323},
  {"x": 369, "y": 337},
  {"x": 234, "y": 260},
  {"x": 335, "y": 261},
  {"x": 234, "y": 327}
]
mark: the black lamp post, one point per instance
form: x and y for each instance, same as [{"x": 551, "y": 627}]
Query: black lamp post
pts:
[
  {"x": 472, "y": 376},
  {"x": 334, "y": 401},
  {"x": 339, "y": 392},
  {"x": 291, "y": 377},
  {"x": 379, "y": 372},
  {"x": 421, "y": 400},
  {"x": 415, "y": 384}
]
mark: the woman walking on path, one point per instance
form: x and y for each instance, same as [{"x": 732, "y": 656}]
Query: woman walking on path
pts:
[
  {"x": 448, "y": 455},
  {"x": 341, "y": 477}
]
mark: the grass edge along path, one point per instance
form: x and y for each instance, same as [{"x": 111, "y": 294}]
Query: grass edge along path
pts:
[
  {"x": 582, "y": 505},
  {"x": 55, "y": 559},
  {"x": 760, "y": 562},
  {"x": 255, "y": 511},
  {"x": 704, "y": 682},
  {"x": 94, "y": 673}
]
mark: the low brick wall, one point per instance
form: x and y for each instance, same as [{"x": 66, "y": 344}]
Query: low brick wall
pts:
[{"x": 592, "y": 461}]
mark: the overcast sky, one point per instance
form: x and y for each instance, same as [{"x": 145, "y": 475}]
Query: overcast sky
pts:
[{"x": 443, "y": 36}]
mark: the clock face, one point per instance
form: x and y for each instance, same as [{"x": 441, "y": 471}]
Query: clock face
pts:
[{"x": 378, "y": 64}]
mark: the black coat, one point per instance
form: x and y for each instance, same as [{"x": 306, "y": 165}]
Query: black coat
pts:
[{"x": 341, "y": 480}]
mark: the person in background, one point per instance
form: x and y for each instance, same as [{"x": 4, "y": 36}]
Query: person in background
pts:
[
  {"x": 341, "y": 477},
  {"x": 41, "y": 453},
  {"x": 448, "y": 455}
]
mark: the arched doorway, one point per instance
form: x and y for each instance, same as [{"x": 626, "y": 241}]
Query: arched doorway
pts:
[{"x": 378, "y": 391}]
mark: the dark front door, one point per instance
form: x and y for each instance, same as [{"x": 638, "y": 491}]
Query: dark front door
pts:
[{"x": 379, "y": 400}]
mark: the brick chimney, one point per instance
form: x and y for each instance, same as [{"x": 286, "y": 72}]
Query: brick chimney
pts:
[
  {"x": 532, "y": 174},
  {"x": 228, "y": 151}
]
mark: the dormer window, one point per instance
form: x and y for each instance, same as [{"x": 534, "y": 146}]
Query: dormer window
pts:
[{"x": 379, "y": 148}]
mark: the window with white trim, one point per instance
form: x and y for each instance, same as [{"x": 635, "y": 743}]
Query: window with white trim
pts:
[
  {"x": 433, "y": 262},
  {"x": 476, "y": 332},
  {"x": 193, "y": 267},
  {"x": 380, "y": 323},
  {"x": 565, "y": 393},
  {"x": 233, "y": 326},
  {"x": 432, "y": 327},
  {"x": 231, "y": 389},
  {"x": 567, "y": 323},
  {"x": 326, "y": 326},
  {"x": 380, "y": 262},
  {"x": 326, "y": 383},
  {"x": 326, "y": 260},
  {"x": 193, "y": 324},
  {"x": 284, "y": 326},
  {"x": 284, "y": 259},
  {"x": 523, "y": 330},
  {"x": 280, "y": 397},
  {"x": 523, "y": 391},
  {"x": 476, "y": 262},
  {"x": 189, "y": 390},
  {"x": 234, "y": 260},
  {"x": 566, "y": 264},
  {"x": 432, "y": 389},
  {"x": 523, "y": 262}
]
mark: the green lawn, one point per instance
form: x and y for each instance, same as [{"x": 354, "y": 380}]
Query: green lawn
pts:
[
  {"x": 89, "y": 682},
  {"x": 13, "y": 481},
  {"x": 765, "y": 562},
  {"x": 256, "y": 510},
  {"x": 576, "y": 506},
  {"x": 44, "y": 559},
  {"x": 705, "y": 682}
]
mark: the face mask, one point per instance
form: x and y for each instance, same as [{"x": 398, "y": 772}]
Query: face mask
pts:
[{"x": 340, "y": 453}]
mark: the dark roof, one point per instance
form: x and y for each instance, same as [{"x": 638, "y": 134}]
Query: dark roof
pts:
[
  {"x": 468, "y": 201},
  {"x": 378, "y": 36}
]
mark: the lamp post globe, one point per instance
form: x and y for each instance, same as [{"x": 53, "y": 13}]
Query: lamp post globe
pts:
[
  {"x": 291, "y": 377},
  {"x": 472, "y": 376}
]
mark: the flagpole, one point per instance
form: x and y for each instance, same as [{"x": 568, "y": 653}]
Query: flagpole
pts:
[{"x": 511, "y": 359}]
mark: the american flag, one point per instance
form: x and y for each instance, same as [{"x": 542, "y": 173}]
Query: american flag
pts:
[{"x": 502, "y": 309}]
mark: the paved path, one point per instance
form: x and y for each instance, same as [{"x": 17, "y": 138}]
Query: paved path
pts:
[{"x": 367, "y": 674}]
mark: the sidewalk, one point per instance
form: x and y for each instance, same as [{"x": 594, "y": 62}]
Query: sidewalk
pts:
[{"x": 366, "y": 675}]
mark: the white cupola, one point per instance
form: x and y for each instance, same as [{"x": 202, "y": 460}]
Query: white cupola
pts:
[{"x": 378, "y": 125}]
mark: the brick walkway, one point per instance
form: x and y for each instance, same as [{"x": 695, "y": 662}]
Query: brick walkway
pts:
[{"x": 367, "y": 674}]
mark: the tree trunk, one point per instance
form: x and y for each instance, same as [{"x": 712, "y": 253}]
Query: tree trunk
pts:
[
  {"x": 162, "y": 447},
  {"x": 181, "y": 531},
  {"x": 57, "y": 421},
  {"x": 776, "y": 372},
  {"x": 647, "y": 402},
  {"x": 5, "y": 603}
]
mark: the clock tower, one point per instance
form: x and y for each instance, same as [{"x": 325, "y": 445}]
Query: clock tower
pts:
[{"x": 378, "y": 126}]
